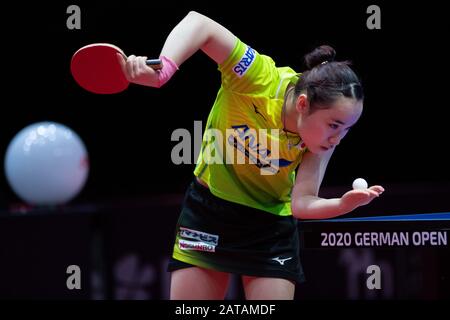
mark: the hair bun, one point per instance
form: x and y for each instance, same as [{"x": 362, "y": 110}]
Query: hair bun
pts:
[{"x": 319, "y": 55}]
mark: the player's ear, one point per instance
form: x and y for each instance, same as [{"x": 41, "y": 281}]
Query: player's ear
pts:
[{"x": 302, "y": 104}]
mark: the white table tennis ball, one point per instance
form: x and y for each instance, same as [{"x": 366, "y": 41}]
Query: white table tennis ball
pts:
[
  {"x": 46, "y": 163},
  {"x": 360, "y": 183}
]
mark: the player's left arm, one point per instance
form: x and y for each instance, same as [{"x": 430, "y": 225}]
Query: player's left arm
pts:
[{"x": 306, "y": 204}]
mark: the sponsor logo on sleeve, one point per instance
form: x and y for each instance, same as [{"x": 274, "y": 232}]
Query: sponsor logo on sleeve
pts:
[{"x": 244, "y": 64}]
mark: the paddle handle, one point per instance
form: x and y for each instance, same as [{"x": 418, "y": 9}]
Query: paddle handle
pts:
[{"x": 155, "y": 64}]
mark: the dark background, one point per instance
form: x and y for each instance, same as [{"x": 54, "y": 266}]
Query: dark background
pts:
[
  {"x": 401, "y": 139},
  {"x": 119, "y": 228}
]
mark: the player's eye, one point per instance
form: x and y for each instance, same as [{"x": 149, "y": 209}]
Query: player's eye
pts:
[{"x": 333, "y": 126}]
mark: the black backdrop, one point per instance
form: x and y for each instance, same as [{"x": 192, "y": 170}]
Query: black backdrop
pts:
[
  {"x": 401, "y": 138},
  {"x": 400, "y": 141}
]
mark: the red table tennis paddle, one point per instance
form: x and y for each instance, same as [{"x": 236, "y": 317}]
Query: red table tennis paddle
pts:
[{"x": 96, "y": 69}]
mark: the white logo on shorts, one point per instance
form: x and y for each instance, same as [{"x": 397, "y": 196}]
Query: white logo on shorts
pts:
[{"x": 280, "y": 260}]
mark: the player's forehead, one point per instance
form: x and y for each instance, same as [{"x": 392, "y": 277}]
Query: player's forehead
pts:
[{"x": 343, "y": 111}]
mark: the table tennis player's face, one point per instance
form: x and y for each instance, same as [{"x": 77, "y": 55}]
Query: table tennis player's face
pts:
[{"x": 325, "y": 128}]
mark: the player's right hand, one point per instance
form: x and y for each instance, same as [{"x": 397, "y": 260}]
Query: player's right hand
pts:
[{"x": 136, "y": 70}]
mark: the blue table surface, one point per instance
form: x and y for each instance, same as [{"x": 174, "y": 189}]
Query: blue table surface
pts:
[{"x": 402, "y": 217}]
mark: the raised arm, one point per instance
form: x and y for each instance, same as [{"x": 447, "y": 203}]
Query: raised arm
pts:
[
  {"x": 197, "y": 31},
  {"x": 194, "y": 32},
  {"x": 306, "y": 204}
]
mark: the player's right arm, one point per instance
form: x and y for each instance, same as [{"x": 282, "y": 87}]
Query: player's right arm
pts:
[{"x": 195, "y": 31}]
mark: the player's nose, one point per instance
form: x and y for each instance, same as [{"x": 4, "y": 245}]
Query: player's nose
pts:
[{"x": 334, "y": 140}]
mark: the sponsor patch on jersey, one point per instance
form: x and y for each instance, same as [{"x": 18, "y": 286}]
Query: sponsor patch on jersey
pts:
[{"x": 244, "y": 64}]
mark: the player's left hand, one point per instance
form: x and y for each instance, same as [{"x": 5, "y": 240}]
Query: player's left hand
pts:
[{"x": 360, "y": 197}]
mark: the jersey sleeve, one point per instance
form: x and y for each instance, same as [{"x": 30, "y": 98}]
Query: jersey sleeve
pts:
[{"x": 246, "y": 71}]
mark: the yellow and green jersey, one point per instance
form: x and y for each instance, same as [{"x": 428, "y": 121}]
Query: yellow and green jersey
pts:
[{"x": 245, "y": 124}]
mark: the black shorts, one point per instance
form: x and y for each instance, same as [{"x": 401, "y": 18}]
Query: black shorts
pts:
[{"x": 224, "y": 236}]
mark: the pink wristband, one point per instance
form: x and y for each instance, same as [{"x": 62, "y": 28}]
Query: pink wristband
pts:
[{"x": 167, "y": 71}]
